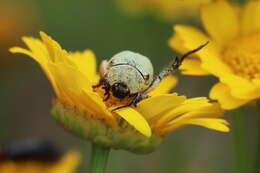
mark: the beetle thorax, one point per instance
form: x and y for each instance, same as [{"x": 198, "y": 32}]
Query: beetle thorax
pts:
[{"x": 132, "y": 69}]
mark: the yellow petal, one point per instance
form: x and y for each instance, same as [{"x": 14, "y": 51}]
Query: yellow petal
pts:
[
  {"x": 164, "y": 86},
  {"x": 188, "y": 105},
  {"x": 55, "y": 51},
  {"x": 53, "y": 47},
  {"x": 176, "y": 43},
  {"x": 21, "y": 50},
  {"x": 250, "y": 17},
  {"x": 79, "y": 92},
  {"x": 240, "y": 87},
  {"x": 86, "y": 63},
  {"x": 256, "y": 82},
  {"x": 135, "y": 119},
  {"x": 192, "y": 66},
  {"x": 221, "y": 92},
  {"x": 67, "y": 164},
  {"x": 209, "y": 55},
  {"x": 220, "y": 20},
  {"x": 211, "y": 123},
  {"x": 39, "y": 53},
  {"x": 93, "y": 103},
  {"x": 203, "y": 111},
  {"x": 64, "y": 74},
  {"x": 68, "y": 74},
  {"x": 155, "y": 106},
  {"x": 38, "y": 49}
]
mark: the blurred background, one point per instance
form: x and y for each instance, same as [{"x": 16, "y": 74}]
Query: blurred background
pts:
[{"x": 106, "y": 27}]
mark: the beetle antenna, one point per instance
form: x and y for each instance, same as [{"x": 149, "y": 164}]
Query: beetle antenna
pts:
[
  {"x": 172, "y": 67},
  {"x": 191, "y": 52}
]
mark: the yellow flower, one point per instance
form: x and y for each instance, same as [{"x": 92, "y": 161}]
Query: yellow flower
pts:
[
  {"x": 81, "y": 109},
  {"x": 233, "y": 55},
  {"x": 67, "y": 164},
  {"x": 168, "y": 9}
]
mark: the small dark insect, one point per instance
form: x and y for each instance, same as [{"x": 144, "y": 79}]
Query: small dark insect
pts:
[
  {"x": 129, "y": 74},
  {"x": 36, "y": 150}
]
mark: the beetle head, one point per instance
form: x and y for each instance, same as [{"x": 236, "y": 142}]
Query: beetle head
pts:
[{"x": 120, "y": 90}]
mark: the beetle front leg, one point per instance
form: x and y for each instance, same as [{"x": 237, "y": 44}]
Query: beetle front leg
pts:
[
  {"x": 137, "y": 98},
  {"x": 107, "y": 88},
  {"x": 99, "y": 83},
  {"x": 107, "y": 94}
]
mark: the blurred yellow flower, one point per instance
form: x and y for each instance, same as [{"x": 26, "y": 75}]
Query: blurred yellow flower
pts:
[
  {"x": 67, "y": 164},
  {"x": 83, "y": 111},
  {"x": 168, "y": 9},
  {"x": 16, "y": 20},
  {"x": 233, "y": 54}
]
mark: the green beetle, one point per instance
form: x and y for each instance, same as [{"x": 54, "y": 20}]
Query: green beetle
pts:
[{"x": 130, "y": 74}]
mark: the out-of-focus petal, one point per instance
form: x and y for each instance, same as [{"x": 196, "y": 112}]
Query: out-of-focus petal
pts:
[
  {"x": 176, "y": 43},
  {"x": 209, "y": 55},
  {"x": 222, "y": 93},
  {"x": 250, "y": 17},
  {"x": 220, "y": 20},
  {"x": 67, "y": 164},
  {"x": 240, "y": 87},
  {"x": 192, "y": 66}
]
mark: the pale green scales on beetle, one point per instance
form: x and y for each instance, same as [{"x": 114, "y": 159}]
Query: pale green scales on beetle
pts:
[{"x": 133, "y": 69}]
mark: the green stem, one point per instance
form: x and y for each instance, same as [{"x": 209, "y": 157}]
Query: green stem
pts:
[
  {"x": 99, "y": 158},
  {"x": 257, "y": 161},
  {"x": 242, "y": 2},
  {"x": 240, "y": 147}
]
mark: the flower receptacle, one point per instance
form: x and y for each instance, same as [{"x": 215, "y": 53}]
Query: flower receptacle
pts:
[{"x": 89, "y": 127}]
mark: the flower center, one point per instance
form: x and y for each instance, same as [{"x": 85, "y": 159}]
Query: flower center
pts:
[{"x": 243, "y": 56}]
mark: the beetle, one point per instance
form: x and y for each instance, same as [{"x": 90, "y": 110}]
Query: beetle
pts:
[{"x": 130, "y": 74}]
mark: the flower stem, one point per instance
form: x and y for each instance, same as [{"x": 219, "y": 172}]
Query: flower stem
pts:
[
  {"x": 241, "y": 2},
  {"x": 99, "y": 158},
  {"x": 239, "y": 137},
  {"x": 257, "y": 161}
]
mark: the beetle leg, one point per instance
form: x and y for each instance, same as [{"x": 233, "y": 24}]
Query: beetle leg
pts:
[
  {"x": 106, "y": 87},
  {"x": 99, "y": 83},
  {"x": 174, "y": 65},
  {"x": 137, "y": 98},
  {"x": 107, "y": 94}
]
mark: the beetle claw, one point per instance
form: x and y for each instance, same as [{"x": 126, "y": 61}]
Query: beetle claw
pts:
[{"x": 107, "y": 96}]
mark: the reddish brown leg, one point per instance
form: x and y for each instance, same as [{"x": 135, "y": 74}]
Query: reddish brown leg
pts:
[{"x": 99, "y": 83}]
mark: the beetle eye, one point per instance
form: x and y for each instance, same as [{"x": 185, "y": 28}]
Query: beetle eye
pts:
[{"x": 120, "y": 90}]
